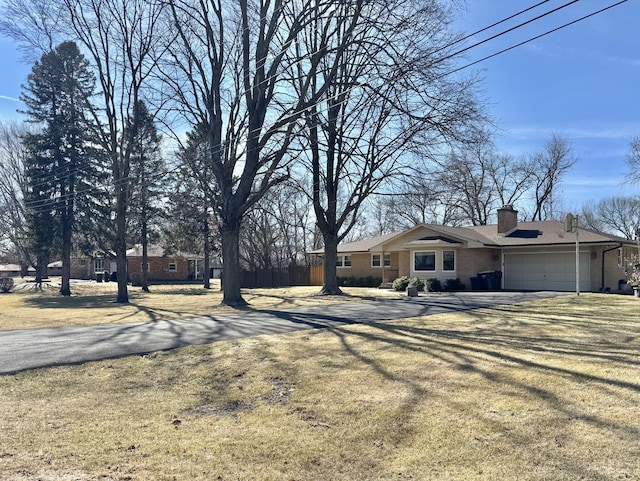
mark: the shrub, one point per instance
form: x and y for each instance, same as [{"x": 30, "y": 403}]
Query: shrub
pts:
[
  {"x": 453, "y": 285},
  {"x": 418, "y": 283},
  {"x": 6, "y": 284},
  {"x": 433, "y": 285},
  {"x": 401, "y": 283},
  {"x": 368, "y": 281}
]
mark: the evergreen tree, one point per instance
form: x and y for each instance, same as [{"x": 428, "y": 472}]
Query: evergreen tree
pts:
[
  {"x": 61, "y": 169},
  {"x": 146, "y": 182},
  {"x": 192, "y": 225}
]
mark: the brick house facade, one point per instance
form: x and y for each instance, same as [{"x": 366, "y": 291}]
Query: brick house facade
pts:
[{"x": 523, "y": 256}]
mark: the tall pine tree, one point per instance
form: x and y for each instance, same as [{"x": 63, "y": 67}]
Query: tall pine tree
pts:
[
  {"x": 61, "y": 166},
  {"x": 146, "y": 185},
  {"x": 192, "y": 224}
]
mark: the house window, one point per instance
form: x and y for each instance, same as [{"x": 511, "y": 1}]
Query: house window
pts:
[
  {"x": 99, "y": 265},
  {"x": 343, "y": 261},
  {"x": 448, "y": 260},
  {"x": 83, "y": 262},
  {"x": 173, "y": 267},
  {"x": 424, "y": 261},
  {"x": 620, "y": 259},
  {"x": 376, "y": 259},
  {"x": 142, "y": 266}
]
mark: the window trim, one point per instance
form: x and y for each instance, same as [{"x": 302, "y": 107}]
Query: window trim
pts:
[
  {"x": 343, "y": 261},
  {"x": 175, "y": 267},
  {"x": 454, "y": 260},
  {"x": 384, "y": 260},
  {"x": 435, "y": 262}
]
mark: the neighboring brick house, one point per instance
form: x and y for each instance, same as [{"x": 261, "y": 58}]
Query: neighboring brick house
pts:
[
  {"x": 520, "y": 256},
  {"x": 163, "y": 266}
]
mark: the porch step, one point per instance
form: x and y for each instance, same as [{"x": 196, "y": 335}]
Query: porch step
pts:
[{"x": 386, "y": 285}]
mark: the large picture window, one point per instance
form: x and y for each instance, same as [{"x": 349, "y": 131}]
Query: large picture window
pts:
[
  {"x": 424, "y": 261},
  {"x": 448, "y": 260}
]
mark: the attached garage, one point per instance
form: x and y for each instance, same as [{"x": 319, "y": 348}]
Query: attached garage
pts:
[{"x": 551, "y": 271}]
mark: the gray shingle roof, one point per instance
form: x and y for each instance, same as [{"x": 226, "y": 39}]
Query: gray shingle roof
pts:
[{"x": 541, "y": 233}]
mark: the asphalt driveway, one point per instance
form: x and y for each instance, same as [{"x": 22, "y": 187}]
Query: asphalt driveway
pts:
[{"x": 28, "y": 349}]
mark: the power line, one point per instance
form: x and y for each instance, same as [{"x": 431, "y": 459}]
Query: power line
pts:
[
  {"x": 298, "y": 112},
  {"x": 493, "y": 25},
  {"x": 534, "y": 38},
  {"x": 504, "y": 32}
]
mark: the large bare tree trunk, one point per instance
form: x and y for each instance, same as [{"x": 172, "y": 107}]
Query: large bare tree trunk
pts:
[
  {"x": 120, "y": 245},
  {"x": 207, "y": 253},
  {"x": 232, "y": 295},
  {"x": 330, "y": 285}
]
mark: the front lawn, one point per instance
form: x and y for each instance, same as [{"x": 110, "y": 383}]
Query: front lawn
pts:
[
  {"x": 546, "y": 390},
  {"x": 93, "y": 303}
]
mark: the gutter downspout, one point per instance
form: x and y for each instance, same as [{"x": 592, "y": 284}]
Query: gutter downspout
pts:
[{"x": 603, "y": 253}]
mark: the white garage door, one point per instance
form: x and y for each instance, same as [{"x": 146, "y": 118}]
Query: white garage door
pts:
[{"x": 546, "y": 272}]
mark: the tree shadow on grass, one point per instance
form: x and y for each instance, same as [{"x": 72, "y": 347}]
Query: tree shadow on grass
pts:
[{"x": 512, "y": 359}]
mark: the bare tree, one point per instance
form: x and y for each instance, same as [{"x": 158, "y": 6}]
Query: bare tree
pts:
[
  {"x": 12, "y": 184},
  {"x": 226, "y": 71},
  {"x": 616, "y": 215},
  {"x": 547, "y": 168},
  {"x": 422, "y": 199},
  {"x": 390, "y": 92},
  {"x": 633, "y": 161},
  {"x": 468, "y": 173},
  {"x": 277, "y": 232},
  {"x": 117, "y": 36}
]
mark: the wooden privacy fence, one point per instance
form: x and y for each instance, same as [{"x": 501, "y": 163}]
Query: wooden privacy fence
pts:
[{"x": 282, "y": 277}]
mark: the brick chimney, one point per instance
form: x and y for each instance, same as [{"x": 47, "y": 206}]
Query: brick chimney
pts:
[{"x": 507, "y": 220}]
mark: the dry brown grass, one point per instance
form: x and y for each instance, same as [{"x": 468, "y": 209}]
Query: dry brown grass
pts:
[
  {"x": 93, "y": 303},
  {"x": 546, "y": 390}
]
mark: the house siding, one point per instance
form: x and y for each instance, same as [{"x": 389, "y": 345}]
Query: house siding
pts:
[
  {"x": 158, "y": 269},
  {"x": 613, "y": 273},
  {"x": 480, "y": 250},
  {"x": 361, "y": 267},
  {"x": 473, "y": 261}
]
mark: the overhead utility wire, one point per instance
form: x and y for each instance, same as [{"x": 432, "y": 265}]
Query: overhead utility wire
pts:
[
  {"x": 491, "y": 38},
  {"x": 504, "y": 32},
  {"x": 491, "y": 26},
  {"x": 533, "y": 38}
]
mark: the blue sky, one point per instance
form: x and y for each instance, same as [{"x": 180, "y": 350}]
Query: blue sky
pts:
[{"x": 582, "y": 82}]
